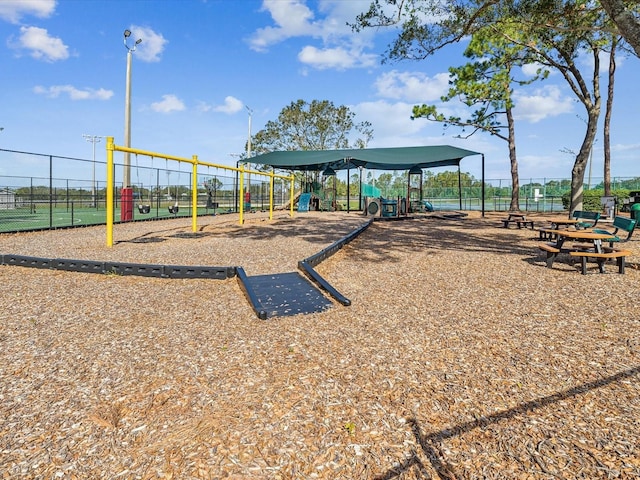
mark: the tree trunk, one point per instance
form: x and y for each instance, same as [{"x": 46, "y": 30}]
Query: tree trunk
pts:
[
  {"x": 592, "y": 102},
  {"x": 607, "y": 118},
  {"x": 625, "y": 20},
  {"x": 579, "y": 167},
  {"x": 515, "y": 181}
]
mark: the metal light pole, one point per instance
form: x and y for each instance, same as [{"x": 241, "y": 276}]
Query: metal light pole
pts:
[
  {"x": 249, "y": 157},
  {"x": 126, "y": 212},
  {"x": 249, "y": 137},
  {"x": 93, "y": 139}
]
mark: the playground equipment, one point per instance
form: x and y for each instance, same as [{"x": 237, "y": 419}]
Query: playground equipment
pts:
[
  {"x": 211, "y": 186},
  {"x": 389, "y": 208},
  {"x": 385, "y": 207},
  {"x": 330, "y": 193},
  {"x": 143, "y": 208},
  {"x": 372, "y": 206},
  {"x": 173, "y": 209},
  {"x": 414, "y": 193},
  {"x": 304, "y": 201},
  {"x": 110, "y": 187}
]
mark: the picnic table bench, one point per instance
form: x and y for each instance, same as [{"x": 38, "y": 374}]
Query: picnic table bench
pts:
[
  {"x": 601, "y": 258},
  {"x": 519, "y": 219}
]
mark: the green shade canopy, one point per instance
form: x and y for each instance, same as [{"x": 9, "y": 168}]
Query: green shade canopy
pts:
[{"x": 400, "y": 158}]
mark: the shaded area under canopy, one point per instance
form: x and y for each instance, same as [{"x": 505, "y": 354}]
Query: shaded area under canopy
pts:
[{"x": 396, "y": 158}]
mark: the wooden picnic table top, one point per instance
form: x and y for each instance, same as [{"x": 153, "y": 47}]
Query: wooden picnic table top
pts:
[
  {"x": 563, "y": 221},
  {"x": 582, "y": 235}
]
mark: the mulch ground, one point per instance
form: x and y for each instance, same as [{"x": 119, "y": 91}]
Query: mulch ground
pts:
[{"x": 461, "y": 357}]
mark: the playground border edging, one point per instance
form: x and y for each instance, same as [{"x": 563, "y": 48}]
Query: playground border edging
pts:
[
  {"x": 308, "y": 263},
  {"x": 183, "y": 271},
  {"x": 119, "y": 268},
  {"x": 250, "y": 293}
]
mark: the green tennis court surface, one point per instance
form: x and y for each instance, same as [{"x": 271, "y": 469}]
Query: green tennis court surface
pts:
[{"x": 26, "y": 218}]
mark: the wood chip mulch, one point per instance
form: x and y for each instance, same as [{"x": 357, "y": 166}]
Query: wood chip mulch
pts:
[{"x": 461, "y": 357}]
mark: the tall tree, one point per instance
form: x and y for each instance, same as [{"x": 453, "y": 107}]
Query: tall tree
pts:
[
  {"x": 559, "y": 48},
  {"x": 486, "y": 85},
  {"x": 318, "y": 125}
]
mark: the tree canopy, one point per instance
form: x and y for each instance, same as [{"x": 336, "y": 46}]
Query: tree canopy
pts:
[{"x": 318, "y": 125}]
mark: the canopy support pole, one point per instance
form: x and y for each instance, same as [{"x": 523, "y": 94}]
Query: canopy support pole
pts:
[
  {"x": 482, "y": 192},
  {"x": 348, "y": 190},
  {"x": 459, "y": 186}
]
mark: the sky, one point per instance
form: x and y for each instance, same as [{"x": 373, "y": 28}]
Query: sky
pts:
[{"x": 207, "y": 71}]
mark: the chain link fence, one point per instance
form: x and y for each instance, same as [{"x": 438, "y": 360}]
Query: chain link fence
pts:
[{"x": 39, "y": 191}]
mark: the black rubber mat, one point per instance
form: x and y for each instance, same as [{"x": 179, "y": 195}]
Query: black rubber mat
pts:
[{"x": 283, "y": 294}]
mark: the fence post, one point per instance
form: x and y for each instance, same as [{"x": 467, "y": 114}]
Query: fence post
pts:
[
  {"x": 271, "y": 195},
  {"x": 50, "y": 191},
  {"x": 194, "y": 195},
  {"x": 109, "y": 192}
]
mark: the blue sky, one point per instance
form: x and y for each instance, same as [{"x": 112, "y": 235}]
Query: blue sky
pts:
[{"x": 202, "y": 63}]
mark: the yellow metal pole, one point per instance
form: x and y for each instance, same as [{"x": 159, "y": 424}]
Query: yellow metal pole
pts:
[
  {"x": 241, "y": 202},
  {"x": 271, "y": 195},
  {"x": 109, "y": 191},
  {"x": 291, "y": 197},
  {"x": 194, "y": 196}
]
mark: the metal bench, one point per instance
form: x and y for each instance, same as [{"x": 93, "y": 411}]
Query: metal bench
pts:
[
  {"x": 590, "y": 217},
  {"x": 622, "y": 224}
]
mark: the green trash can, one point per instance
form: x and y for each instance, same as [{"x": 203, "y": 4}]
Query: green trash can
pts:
[{"x": 635, "y": 212}]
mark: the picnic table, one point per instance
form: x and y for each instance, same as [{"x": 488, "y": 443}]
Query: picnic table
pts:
[
  {"x": 590, "y": 246},
  {"x": 556, "y": 224},
  {"x": 519, "y": 219},
  {"x": 585, "y": 236}
]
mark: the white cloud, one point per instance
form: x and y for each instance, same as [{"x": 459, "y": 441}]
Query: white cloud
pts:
[
  {"x": 338, "y": 58},
  {"x": 542, "y": 103},
  {"x": 152, "y": 45},
  {"x": 550, "y": 164},
  {"x": 231, "y": 105},
  {"x": 169, "y": 103},
  {"x": 621, "y": 147},
  {"x": 340, "y": 47},
  {"x": 389, "y": 121},
  {"x": 531, "y": 69},
  {"x": 203, "y": 106},
  {"x": 73, "y": 92},
  {"x": 41, "y": 45},
  {"x": 13, "y": 10},
  {"x": 292, "y": 18},
  {"x": 412, "y": 86}
]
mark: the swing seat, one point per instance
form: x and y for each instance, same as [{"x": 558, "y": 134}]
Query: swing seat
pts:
[
  {"x": 144, "y": 208},
  {"x": 173, "y": 209}
]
